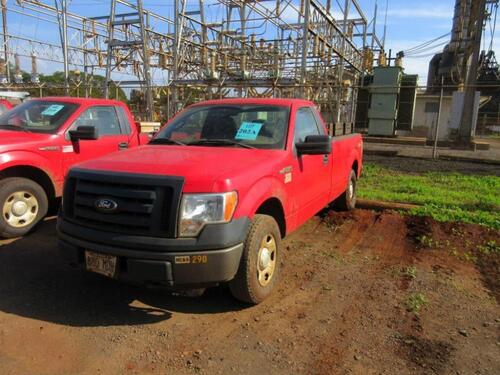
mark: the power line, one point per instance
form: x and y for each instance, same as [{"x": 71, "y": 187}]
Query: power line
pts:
[
  {"x": 426, "y": 50},
  {"x": 425, "y": 44}
]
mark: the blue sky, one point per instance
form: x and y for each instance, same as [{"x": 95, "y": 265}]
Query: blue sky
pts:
[{"x": 409, "y": 23}]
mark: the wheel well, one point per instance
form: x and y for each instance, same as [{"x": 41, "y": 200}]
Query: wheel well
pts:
[
  {"x": 355, "y": 167},
  {"x": 274, "y": 208},
  {"x": 34, "y": 174}
]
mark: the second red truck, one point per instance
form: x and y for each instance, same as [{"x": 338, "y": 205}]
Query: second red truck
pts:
[
  {"x": 210, "y": 198},
  {"x": 41, "y": 139}
]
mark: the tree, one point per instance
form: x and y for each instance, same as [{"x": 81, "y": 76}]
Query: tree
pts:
[{"x": 54, "y": 86}]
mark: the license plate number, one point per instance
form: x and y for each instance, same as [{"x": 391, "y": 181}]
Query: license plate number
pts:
[{"x": 100, "y": 263}]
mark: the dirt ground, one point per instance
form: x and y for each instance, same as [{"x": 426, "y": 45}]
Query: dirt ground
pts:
[{"x": 361, "y": 293}]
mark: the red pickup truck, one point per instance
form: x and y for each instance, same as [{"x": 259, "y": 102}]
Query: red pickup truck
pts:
[
  {"x": 5, "y": 106},
  {"x": 210, "y": 198},
  {"x": 41, "y": 139}
]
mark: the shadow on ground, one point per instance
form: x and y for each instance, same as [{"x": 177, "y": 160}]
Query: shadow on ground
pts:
[{"x": 35, "y": 283}]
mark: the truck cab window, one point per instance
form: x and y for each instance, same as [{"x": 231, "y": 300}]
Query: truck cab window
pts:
[
  {"x": 254, "y": 126},
  {"x": 104, "y": 118},
  {"x": 39, "y": 116},
  {"x": 305, "y": 124},
  {"x": 124, "y": 121}
]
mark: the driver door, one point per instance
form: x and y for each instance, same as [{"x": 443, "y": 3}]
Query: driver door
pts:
[
  {"x": 311, "y": 173},
  {"x": 112, "y": 136}
]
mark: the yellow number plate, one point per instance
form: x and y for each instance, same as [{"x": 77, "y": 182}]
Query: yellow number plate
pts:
[{"x": 193, "y": 259}]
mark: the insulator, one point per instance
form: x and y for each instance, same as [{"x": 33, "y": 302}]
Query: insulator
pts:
[
  {"x": 213, "y": 63},
  {"x": 34, "y": 69},
  {"x": 225, "y": 61},
  {"x": 368, "y": 59},
  {"x": 382, "y": 60},
  {"x": 100, "y": 59},
  {"x": 399, "y": 62},
  {"x": 18, "y": 65},
  {"x": 350, "y": 30},
  {"x": 204, "y": 55},
  {"x": 322, "y": 47},
  {"x": 162, "y": 58},
  {"x": 316, "y": 45},
  {"x": 243, "y": 63}
]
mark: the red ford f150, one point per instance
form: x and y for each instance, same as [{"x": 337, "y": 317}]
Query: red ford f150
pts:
[
  {"x": 5, "y": 106},
  {"x": 40, "y": 139},
  {"x": 210, "y": 198}
]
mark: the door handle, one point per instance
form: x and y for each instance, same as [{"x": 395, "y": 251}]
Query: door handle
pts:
[
  {"x": 122, "y": 145},
  {"x": 325, "y": 159}
]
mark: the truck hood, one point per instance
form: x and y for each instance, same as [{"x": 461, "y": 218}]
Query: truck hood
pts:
[
  {"x": 205, "y": 169},
  {"x": 18, "y": 140}
]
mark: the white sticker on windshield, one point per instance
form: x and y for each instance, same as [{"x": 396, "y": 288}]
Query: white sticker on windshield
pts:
[
  {"x": 51, "y": 110},
  {"x": 248, "y": 131}
]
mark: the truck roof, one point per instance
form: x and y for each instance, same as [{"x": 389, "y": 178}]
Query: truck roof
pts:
[
  {"x": 259, "y": 101},
  {"x": 88, "y": 101}
]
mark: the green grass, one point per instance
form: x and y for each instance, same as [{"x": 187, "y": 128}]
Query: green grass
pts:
[
  {"x": 443, "y": 196},
  {"x": 415, "y": 302}
]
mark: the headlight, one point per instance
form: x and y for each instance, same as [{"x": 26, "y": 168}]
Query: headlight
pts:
[{"x": 200, "y": 209}]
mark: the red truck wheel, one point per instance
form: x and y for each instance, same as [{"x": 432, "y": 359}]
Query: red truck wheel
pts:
[
  {"x": 24, "y": 203},
  {"x": 259, "y": 266}
]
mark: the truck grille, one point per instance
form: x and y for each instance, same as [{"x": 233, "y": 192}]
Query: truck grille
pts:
[{"x": 145, "y": 204}]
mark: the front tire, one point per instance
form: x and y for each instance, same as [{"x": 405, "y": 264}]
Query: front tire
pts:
[
  {"x": 23, "y": 203},
  {"x": 259, "y": 266}
]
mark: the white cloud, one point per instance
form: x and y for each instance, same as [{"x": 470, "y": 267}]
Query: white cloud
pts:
[{"x": 439, "y": 13}]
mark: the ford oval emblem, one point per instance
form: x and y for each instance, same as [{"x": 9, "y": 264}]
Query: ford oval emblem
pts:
[{"x": 106, "y": 205}]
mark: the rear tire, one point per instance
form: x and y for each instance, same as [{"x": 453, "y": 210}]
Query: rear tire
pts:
[
  {"x": 347, "y": 201},
  {"x": 23, "y": 204},
  {"x": 259, "y": 266}
]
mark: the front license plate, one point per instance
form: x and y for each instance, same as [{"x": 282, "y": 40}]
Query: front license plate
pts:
[{"x": 100, "y": 263}]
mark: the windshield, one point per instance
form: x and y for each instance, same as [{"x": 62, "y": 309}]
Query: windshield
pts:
[
  {"x": 249, "y": 126},
  {"x": 37, "y": 116}
]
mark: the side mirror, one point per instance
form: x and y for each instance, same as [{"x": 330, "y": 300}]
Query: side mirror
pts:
[
  {"x": 315, "y": 145},
  {"x": 84, "y": 132}
]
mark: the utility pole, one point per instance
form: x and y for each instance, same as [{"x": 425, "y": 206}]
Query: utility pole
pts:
[
  {"x": 374, "y": 26},
  {"x": 436, "y": 134},
  {"x": 465, "y": 132},
  {"x": 305, "y": 48},
  {"x": 5, "y": 39},
  {"x": 63, "y": 33},
  {"x": 175, "y": 57},
  {"x": 338, "y": 110}
]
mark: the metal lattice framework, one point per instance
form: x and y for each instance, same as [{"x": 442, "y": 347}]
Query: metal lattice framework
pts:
[{"x": 315, "y": 49}]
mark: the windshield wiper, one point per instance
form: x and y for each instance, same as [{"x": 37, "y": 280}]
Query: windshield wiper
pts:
[
  {"x": 165, "y": 141},
  {"x": 201, "y": 142},
  {"x": 14, "y": 127}
]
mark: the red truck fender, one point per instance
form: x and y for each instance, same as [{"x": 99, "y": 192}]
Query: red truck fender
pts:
[
  {"x": 267, "y": 196},
  {"x": 25, "y": 161}
]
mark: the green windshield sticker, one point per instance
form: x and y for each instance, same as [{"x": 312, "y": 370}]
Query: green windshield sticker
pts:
[
  {"x": 51, "y": 110},
  {"x": 248, "y": 131}
]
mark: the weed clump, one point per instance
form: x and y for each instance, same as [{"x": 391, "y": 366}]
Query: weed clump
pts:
[{"x": 415, "y": 302}]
